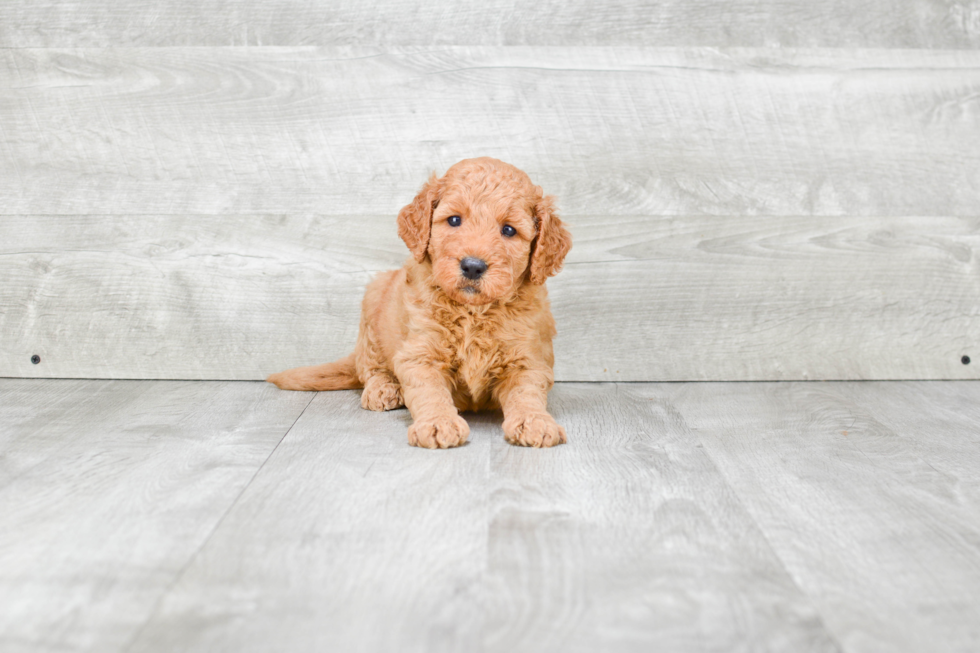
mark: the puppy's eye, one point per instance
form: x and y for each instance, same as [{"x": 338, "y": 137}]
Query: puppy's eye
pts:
[
  {"x": 508, "y": 231},
  {"x": 454, "y": 221}
]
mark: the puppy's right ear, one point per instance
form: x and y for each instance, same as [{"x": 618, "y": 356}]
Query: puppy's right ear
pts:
[
  {"x": 415, "y": 219},
  {"x": 551, "y": 244}
]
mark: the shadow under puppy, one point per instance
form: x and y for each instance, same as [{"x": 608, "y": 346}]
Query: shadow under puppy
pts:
[{"x": 465, "y": 324}]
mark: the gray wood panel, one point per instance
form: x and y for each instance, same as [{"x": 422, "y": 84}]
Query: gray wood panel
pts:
[
  {"x": 107, "y": 490},
  {"x": 348, "y": 539},
  {"x": 943, "y": 432},
  {"x": 629, "y": 539},
  {"x": 625, "y": 538},
  {"x": 886, "y": 543},
  {"x": 35, "y": 419},
  {"x": 640, "y": 299},
  {"x": 787, "y": 23},
  {"x": 613, "y": 131},
  {"x": 683, "y": 517}
]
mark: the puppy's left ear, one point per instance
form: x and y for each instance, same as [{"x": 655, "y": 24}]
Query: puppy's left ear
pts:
[
  {"x": 551, "y": 244},
  {"x": 415, "y": 219}
]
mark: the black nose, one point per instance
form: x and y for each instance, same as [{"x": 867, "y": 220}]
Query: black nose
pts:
[{"x": 473, "y": 268}]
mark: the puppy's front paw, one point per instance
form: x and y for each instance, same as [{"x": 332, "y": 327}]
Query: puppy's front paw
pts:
[
  {"x": 534, "y": 430},
  {"x": 381, "y": 395},
  {"x": 438, "y": 433}
]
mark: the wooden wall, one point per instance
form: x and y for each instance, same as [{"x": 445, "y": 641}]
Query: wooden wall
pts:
[{"x": 757, "y": 190}]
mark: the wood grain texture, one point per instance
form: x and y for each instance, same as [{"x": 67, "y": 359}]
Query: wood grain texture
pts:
[
  {"x": 628, "y": 539},
  {"x": 787, "y": 23},
  {"x": 640, "y": 299},
  {"x": 613, "y": 131},
  {"x": 943, "y": 433},
  {"x": 108, "y": 488},
  {"x": 885, "y": 542},
  {"x": 684, "y": 517},
  {"x": 350, "y": 539},
  {"x": 347, "y": 539}
]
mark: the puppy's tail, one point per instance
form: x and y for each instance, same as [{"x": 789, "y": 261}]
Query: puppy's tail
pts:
[{"x": 339, "y": 375}]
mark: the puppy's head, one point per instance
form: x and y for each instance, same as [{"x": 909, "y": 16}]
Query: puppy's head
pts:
[{"x": 486, "y": 229}]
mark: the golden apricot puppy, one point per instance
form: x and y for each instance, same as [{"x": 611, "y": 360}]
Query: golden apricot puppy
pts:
[{"x": 465, "y": 324}]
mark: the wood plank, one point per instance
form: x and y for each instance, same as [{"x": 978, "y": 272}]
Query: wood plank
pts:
[
  {"x": 679, "y": 517},
  {"x": 640, "y": 299},
  {"x": 942, "y": 427},
  {"x": 615, "y": 131},
  {"x": 629, "y": 539},
  {"x": 755, "y": 298},
  {"x": 36, "y": 418},
  {"x": 886, "y": 544},
  {"x": 787, "y": 23},
  {"x": 187, "y": 297},
  {"x": 349, "y": 539},
  {"x": 110, "y": 490}
]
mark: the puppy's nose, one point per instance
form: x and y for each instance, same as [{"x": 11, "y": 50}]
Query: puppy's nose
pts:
[{"x": 473, "y": 268}]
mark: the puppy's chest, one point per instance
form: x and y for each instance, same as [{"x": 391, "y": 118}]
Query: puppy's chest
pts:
[{"x": 477, "y": 356}]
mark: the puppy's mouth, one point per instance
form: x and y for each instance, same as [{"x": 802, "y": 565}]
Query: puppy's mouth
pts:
[
  {"x": 471, "y": 293},
  {"x": 469, "y": 286}
]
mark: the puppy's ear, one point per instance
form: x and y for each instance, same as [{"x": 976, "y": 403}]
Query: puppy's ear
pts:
[
  {"x": 551, "y": 244},
  {"x": 415, "y": 219}
]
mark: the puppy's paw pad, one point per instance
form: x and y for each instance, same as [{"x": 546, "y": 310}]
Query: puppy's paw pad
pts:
[
  {"x": 438, "y": 433},
  {"x": 534, "y": 430},
  {"x": 382, "y": 396}
]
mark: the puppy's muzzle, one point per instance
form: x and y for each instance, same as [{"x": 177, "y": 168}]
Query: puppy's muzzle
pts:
[{"x": 472, "y": 268}]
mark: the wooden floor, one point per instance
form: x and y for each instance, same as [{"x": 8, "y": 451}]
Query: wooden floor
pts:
[{"x": 229, "y": 516}]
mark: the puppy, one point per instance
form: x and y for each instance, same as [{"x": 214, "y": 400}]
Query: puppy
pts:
[{"x": 465, "y": 324}]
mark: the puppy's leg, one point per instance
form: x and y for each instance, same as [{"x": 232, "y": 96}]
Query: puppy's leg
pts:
[
  {"x": 437, "y": 424},
  {"x": 381, "y": 389},
  {"x": 382, "y": 392},
  {"x": 524, "y": 399}
]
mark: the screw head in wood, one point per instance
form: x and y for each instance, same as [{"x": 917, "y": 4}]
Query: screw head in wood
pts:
[
  {"x": 35, "y": 359},
  {"x": 965, "y": 360}
]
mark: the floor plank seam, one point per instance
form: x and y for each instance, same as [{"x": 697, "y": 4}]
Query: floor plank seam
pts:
[
  {"x": 27, "y": 470},
  {"x": 190, "y": 559},
  {"x": 831, "y": 635}
]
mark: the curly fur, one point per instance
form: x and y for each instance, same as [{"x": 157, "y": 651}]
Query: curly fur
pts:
[{"x": 440, "y": 343}]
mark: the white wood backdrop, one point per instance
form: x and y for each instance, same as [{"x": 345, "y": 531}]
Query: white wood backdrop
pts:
[
  {"x": 787, "y": 23},
  {"x": 739, "y": 213}
]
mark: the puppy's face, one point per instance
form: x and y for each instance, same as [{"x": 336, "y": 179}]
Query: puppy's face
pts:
[
  {"x": 480, "y": 243},
  {"x": 486, "y": 229}
]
